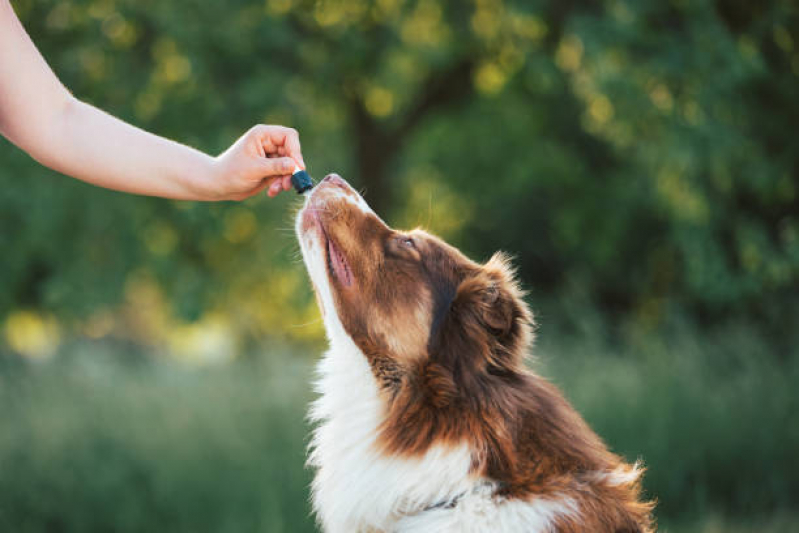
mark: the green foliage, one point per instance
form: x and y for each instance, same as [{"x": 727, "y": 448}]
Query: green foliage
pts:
[{"x": 642, "y": 151}]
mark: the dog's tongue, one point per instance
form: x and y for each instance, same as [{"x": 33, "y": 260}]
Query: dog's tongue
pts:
[{"x": 340, "y": 266}]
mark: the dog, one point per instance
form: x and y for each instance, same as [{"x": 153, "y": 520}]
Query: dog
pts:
[{"x": 427, "y": 418}]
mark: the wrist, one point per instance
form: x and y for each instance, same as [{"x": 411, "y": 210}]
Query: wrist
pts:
[{"x": 203, "y": 181}]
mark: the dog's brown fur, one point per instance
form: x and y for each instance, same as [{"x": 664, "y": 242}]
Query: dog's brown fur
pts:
[{"x": 446, "y": 339}]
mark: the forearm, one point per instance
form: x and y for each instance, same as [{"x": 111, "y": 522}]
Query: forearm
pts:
[
  {"x": 39, "y": 115},
  {"x": 95, "y": 147}
]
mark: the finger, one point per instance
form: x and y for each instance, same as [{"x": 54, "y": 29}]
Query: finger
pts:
[
  {"x": 274, "y": 188},
  {"x": 291, "y": 141},
  {"x": 261, "y": 186},
  {"x": 286, "y": 183},
  {"x": 263, "y": 135},
  {"x": 273, "y": 137},
  {"x": 276, "y": 166}
]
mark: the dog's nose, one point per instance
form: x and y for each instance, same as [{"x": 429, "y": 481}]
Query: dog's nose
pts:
[{"x": 335, "y": 179}]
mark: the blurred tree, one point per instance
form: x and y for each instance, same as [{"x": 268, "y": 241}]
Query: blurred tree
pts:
[{"x": 644, "y": 153}]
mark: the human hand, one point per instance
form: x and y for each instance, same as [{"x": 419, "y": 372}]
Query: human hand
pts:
[{"x": 262, "y": 158}]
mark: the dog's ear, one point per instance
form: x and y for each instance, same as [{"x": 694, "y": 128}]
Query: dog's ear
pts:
[
  {"x": 493, "y": 295},
  {"x": 488, "y": 324}
]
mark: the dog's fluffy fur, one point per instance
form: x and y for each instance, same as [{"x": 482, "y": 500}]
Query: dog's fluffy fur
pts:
[{"x": 428, "y": 419}]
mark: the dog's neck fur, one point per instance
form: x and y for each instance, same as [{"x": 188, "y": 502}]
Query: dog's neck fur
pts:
[{"x": 356, "y": 488}]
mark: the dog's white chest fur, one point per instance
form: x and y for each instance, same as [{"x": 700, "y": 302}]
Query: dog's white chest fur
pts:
[{"x": 356, "y": 488}]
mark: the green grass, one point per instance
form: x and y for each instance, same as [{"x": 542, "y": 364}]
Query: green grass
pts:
[
  {"x": 102, "y": 439},
  {"x": 715, "y": 417},
  {"x": 93, "y": 444},
  {"x": 766, "y": 523}
]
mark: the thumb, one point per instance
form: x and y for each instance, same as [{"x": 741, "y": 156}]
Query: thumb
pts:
[{"x": 277, "y": 166}]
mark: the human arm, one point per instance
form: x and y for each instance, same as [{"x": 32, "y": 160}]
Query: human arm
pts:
[{"x": 40, "y": 116}]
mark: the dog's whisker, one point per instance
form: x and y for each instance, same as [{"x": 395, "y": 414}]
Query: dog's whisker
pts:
[
  {"x": 429, "y": 208},
  {"x": 306, "y": 324}
]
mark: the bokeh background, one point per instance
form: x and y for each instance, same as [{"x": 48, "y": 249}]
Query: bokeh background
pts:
[{"x": 639, "y": 158}]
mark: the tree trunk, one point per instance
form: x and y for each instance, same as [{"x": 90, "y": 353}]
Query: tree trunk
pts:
[
  {"x": 378, "y": 145},
  {"x": 376, "y": 150}
]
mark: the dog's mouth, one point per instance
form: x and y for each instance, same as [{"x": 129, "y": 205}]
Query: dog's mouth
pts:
[
  {"x": 319, "y": 215},
  {"x": 336, "y": 262}
]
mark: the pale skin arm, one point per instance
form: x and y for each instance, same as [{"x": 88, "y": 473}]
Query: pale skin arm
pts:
[{"x": 41, "y": 117}]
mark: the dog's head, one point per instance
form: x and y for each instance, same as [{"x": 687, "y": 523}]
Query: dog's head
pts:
[{"x": 417, "y": 308}]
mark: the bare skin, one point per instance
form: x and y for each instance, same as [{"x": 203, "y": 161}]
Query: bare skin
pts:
[{"x": 40, "y": 116}]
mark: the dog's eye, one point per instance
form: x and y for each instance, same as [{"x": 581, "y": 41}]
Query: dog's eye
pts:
[{"x": 403, "y": 246}]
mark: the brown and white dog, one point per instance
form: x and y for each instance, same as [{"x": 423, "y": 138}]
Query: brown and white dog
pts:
[{"x": 428, "y": 419}]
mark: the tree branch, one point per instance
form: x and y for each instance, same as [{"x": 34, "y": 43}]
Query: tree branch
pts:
[{"x": 449, "y": 87}]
